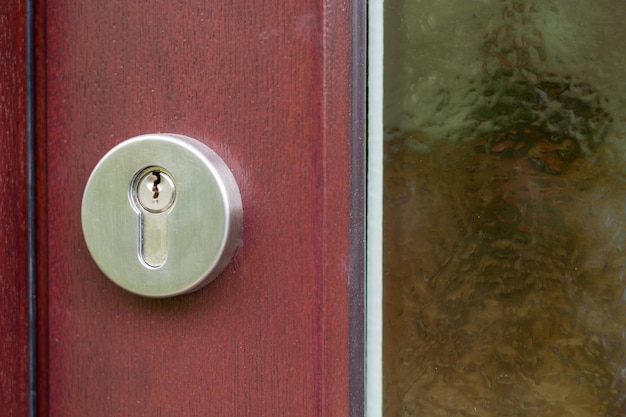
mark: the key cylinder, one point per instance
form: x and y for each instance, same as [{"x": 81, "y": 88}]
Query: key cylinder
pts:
[
  {"x": 154, "y": 190},
  {"x": 152, "y": 193}
]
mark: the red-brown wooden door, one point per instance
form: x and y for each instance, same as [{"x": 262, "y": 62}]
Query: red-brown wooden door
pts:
[
  {"x": 267, "y": 85},
  {"x": 13, "y": 211}
]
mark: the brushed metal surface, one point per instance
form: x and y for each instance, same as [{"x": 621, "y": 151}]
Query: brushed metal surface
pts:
[{"x": 199, "y": 233}]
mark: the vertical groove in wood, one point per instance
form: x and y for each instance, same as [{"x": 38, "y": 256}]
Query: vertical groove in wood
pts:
[
  {"x": 358, "y": 120},
  {"x": 13, "y": 208},
  {"x": 42, "y": 208}
]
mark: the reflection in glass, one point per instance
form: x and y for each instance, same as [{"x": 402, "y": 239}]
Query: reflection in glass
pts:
[{"x": 504, "y": 209}]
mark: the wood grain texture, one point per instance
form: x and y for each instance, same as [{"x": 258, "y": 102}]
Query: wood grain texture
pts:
[
  {"x": 267, "y": 87},
  {"x": 13, "y": 209}
]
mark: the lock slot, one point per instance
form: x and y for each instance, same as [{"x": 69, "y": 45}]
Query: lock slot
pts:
[
  {"x": 152, "y": 195},
  {"x": 152, "y": 239}
]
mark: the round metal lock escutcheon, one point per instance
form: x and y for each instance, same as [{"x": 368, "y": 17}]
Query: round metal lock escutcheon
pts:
[{"x": 162, "y": 215}]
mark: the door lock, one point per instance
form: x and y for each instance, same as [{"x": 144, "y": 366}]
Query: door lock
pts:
[{"x": 162, "y": 215}]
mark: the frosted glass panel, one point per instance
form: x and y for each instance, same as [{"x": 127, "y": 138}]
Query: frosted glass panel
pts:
[{"x": 504, "y": 225}]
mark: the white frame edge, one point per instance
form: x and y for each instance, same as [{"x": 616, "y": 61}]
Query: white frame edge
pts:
[{"x": 374, "y": 288}]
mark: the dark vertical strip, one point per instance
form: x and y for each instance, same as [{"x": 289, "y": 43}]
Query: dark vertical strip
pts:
[
  {"x": 30, "y": 184},
  {"x": 357, "y": 206}
]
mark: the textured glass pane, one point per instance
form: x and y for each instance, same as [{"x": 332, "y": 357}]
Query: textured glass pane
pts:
[{"x": 504, "y": 208}]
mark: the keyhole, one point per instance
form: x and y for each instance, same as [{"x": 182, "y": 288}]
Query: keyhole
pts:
[
  {"x": 155, "y": 185},
  {"x": 154, "y": 190},
  {"x": 153, "y": 194}
]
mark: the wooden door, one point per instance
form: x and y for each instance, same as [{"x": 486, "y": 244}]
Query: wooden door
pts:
[
  {"x": 13, "y": 209},
  {"x": 267, "y": 85}
]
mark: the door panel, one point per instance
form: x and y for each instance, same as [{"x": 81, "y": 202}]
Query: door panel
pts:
[
  {"x": 267, "y": 87},
  {"x": 13, "y": 237}
]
